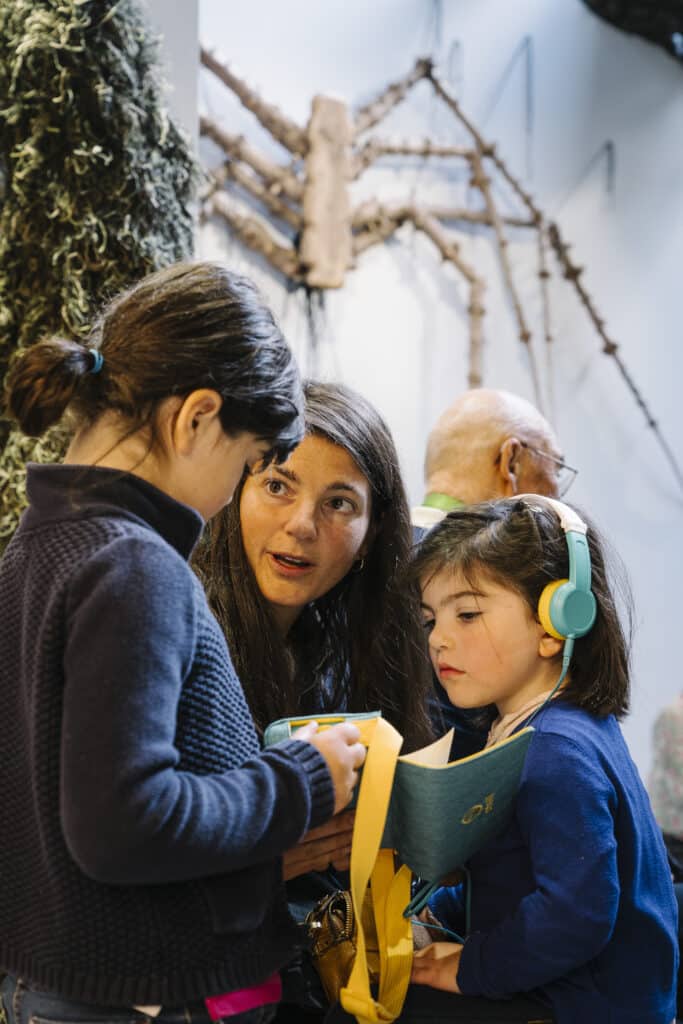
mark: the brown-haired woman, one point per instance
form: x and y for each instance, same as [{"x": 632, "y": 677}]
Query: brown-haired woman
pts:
[{"x": 303, "y": 571}]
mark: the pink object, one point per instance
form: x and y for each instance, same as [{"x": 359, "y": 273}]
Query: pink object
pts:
[{"x": 227, "y": 1004}]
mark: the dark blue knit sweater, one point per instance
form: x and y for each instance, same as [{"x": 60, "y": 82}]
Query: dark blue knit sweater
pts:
[
  {"x": 575, "y": 899},
  {"x": 140, "y": 826}
]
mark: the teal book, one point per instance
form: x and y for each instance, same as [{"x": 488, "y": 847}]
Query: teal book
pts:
[
  {"x": 441, "y": 812},
  {"x": 285, "y": 728}
]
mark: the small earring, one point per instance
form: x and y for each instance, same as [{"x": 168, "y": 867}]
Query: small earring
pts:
[{"x": 358, "y": 565}]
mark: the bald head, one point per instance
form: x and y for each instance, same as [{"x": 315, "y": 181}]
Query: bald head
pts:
[{"x": 478, "y": 450}]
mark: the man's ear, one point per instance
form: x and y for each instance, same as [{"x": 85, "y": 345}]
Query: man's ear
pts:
[
  {"x": 508, "y": 466},
  {"x": 195, "y": 417},
  {"x": 549, "y": 646}
]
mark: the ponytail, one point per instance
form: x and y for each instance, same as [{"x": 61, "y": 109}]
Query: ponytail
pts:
[
  {"x": 186, "y": 327},
  {"x": 43, "y": 380}
]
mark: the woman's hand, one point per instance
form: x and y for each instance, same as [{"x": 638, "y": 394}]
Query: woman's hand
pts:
[
  {"x": 328, "y": 844},
  {"x": 437, "y": 966}
]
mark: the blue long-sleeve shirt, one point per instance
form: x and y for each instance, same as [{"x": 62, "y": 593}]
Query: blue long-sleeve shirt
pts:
[{"x": 574, "y": 900}]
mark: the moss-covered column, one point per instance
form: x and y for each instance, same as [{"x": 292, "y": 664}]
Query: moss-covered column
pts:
[{"x": 95, "y": 181}]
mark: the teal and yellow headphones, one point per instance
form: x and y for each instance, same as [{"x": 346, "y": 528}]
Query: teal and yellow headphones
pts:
[{"x": 567, "y": 608}]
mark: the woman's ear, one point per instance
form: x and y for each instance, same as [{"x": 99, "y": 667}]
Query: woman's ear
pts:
[
  {"x": 197, "y": 415},
  {"x": 368, "y": 540},
  {"x": 508, "y": 466}
]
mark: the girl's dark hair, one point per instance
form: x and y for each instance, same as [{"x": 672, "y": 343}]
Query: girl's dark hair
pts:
[
  {"x": 360, "y": 646},
  {"x": 520, "y": 544},
  {"x": 190, "y": 326}
]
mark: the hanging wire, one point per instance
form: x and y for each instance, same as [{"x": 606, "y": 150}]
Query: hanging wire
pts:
[
  {"x": 607, "y": 153},
  {"x": 432, "y": 33},
  {"x": 525, "y": 51},
  {"x": 455, "y": 68}
]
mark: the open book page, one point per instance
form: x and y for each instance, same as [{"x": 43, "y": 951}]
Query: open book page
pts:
[{"x": 435, "y": 755}]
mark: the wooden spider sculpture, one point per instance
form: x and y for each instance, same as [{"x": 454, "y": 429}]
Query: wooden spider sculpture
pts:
[{"x": 310, "y": 195}]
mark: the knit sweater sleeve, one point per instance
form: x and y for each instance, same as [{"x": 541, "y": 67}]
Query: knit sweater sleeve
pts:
[
  {"x": 129, "y": 815},
  {"x": 565, "y": 812}
]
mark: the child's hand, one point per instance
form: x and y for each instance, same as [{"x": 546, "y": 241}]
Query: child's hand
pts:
[
  {"x": 437, "y": 966},
  {"x": 422, "y": 937},
  {"x": 328, "y": 844},
  {"x": 427, "y": 918},
  {"x": 343, "y": 753}
]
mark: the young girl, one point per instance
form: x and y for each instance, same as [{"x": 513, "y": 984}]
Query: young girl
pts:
[
  {"x": 141, "y": 827},
  {"x": 573, "y": 902}
]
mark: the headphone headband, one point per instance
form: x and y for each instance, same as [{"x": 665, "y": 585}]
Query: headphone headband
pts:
[
  {"x": 569, "y": 517},
  {"x": 567, "y": 608}
]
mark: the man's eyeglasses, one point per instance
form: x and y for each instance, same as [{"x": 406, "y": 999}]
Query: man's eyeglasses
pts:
[{"x": 564, "y": 474}]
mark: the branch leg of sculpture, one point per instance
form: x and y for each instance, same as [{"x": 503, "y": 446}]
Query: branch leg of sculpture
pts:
[
  {"x": 287, "y": 132},
  {"x": 278, "y": 179},
  {"x": 544, "y": 276},
  {"x": 481, "y": 182},
  {"x": 257, "y": 235},
  {"x": 372, "y": 112},
  {"x": 573, "y": 273},
  {"x": 247, "y": 180},
  {"x": 374, "y": 148}
]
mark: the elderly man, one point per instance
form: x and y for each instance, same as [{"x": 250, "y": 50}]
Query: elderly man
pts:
[{"x": 487, "y": 445}]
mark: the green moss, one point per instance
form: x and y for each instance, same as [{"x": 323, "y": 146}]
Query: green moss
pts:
[
  {"x": 19, "y": 450},
  {"x": 96, "y": 180}
]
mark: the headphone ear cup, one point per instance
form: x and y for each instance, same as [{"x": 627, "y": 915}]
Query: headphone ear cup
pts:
[
  {"x": 565, "y": 610},
  {"x": 544, "y": 610}
]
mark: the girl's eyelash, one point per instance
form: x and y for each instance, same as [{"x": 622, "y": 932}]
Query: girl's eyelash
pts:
[
  {"x": 428, "y": 624},
  {"x": 468, "y": 616}
]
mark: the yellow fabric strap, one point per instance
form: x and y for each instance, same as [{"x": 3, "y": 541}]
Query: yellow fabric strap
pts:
[{"x": 390, "y": 890}]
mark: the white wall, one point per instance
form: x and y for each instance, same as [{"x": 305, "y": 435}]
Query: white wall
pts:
[
  {"x": 178, "y": 27},
  {"x": 397, "y": 332}
]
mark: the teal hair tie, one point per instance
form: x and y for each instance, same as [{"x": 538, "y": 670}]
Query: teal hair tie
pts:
[{"x": 97, "y": 360}]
